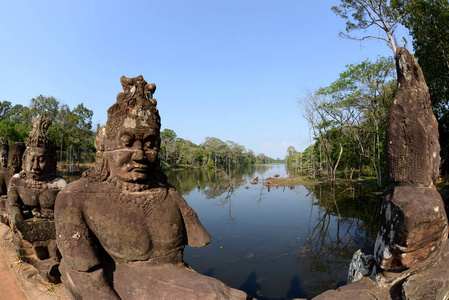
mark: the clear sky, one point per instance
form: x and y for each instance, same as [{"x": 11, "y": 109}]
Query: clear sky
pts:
[{"x": 229, "y": 69}]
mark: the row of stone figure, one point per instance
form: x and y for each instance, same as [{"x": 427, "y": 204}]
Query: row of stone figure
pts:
[
  {"x": 118, "y": 232},
  {"x": 29, "y": 185}
]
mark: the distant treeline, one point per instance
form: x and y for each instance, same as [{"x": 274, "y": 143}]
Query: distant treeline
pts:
[
  {"x": 73, "y": 135},
  {"x": 212, "y": 153}
]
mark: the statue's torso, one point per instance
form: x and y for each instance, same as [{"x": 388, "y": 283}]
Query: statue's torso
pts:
[
  {"x": 36, "y": 194},
  {"x": 145, "y": 225}
]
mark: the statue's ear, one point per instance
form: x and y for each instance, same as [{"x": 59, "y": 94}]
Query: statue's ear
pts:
[{"x": 103, "y": 164}]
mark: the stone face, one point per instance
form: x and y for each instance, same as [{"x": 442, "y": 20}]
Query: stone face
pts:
[
  {"x": 15, "y": 159},
  {"x": 122, "y": 228},
  {"x": 413, "y": 150},
  {"x": 31, "y": 199}
]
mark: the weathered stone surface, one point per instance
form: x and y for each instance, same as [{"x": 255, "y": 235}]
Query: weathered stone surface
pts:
[
  {"x": 413, "y": 223},
  {"x": 31, "y": 199},
  {"x": 14, "y": 159},
  {"x": 362, "y": 264},
  {"x": 37, "y": 230},
  {"x": 4, "y": 148},
  {"x": 413, "y": 150},
  {"x": 122, "y": 228},
  {"x": 412, "y": 228},
  {"x": 365, "y": 288},
  {"x": 411, "y": 250},
  {"x": 428, "y": 281}
]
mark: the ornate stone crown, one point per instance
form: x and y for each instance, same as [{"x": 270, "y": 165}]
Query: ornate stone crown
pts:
[
  {"x": 39, "y": 135},
  {"x": 135, "y": 107}
]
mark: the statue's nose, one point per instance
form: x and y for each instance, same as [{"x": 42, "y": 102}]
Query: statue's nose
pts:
[
  {"x": 35, "y": 164},
  {"x": 138, "y": 155}
]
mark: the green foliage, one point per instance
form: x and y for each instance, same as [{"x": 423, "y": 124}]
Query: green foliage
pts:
[
  {"x": 5, "y": 106},
  {"x": 428, "y": 24},
  {"x": 348, "y": 119},
  {"x": 362, "y": 15},
  {"x": 15, "y": 132},
  {"x": 71, "y": 130},
  {"x": 213, "y": 153},
  {"x": 44, "y": 106}
]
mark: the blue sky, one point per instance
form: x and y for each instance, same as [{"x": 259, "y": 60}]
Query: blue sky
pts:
[{"x": 226, "y": 69}]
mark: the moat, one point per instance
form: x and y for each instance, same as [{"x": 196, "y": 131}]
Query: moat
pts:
[{"x": 277, "y": 243}]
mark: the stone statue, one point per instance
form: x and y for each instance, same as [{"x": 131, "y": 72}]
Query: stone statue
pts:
[
  {"x": 413, "y": 223},
  {"x": 15, "y": 159},
  {"x": 31, "y": 199},
  {"x": 409, "y": 259},
  {"x": 4, "y": 148},
  {"x": 122, "y": 228}
]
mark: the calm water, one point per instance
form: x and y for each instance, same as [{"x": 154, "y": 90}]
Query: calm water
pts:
[
  {"x": 276, "y": 243},
  {"x": 281, "y": 242}
]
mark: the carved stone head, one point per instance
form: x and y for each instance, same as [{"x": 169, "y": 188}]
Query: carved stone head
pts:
[
  {"x": 4, "y": 152},
  {"x": 15, "y": 157},
  {"x": 39, "y": 159},
  {"x": 128, "y": 144}
]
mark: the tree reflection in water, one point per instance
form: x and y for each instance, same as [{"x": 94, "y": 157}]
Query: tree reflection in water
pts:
[
  {"x": 289, "y": 242},
  {"x": 343, "y": 224}
]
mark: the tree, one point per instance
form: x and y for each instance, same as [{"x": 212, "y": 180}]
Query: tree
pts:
[
  {"x": 18, "y": 114},
  {"x": 368, "y": 89},
  {"x": 44, "y": 106},
  {"x": 363, "y": 14},
  {"x": 168, "y": 144},
  {"x": 215, "y": 148},
  {"x": 291, "y": 150},
  {"x": 428, "y": 24},
  {"x": 5, "y": 106}
]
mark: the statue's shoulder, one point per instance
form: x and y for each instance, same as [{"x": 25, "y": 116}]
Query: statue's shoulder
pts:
[
  {"x": 16, "y": 179},
  {"x": 173, "y": 193},
  {"x": 57, "y": 183},
  {"x": 87, "y": 186}
]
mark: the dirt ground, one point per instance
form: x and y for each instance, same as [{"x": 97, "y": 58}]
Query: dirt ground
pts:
[
  {"x": 21, "y": 281},
  {"x": 10, "y": 289}
]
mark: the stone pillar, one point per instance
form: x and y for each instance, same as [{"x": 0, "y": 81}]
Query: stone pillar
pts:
[{"x": 413, "y": 223}]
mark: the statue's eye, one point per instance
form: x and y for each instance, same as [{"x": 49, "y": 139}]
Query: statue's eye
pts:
[
  {"x": 41, "y": 159},
  {"x": 126, "y": 140},
  {"x": 150, "y": 143},
  {"x": 147, "y": 146}
]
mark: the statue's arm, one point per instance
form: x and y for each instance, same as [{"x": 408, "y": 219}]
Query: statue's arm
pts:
[
  {"x": 4, "y": 186},
  {"x": 197, "y": 235},
  {"x": 14, "y": 204},
  {"x": 80, "y": 266}
]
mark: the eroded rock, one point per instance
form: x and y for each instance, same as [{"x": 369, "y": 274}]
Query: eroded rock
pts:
[
  {"x": 413, "y": 222},
  {"x": 31, "y": 199},
  {"x": 412, "y": 227}
]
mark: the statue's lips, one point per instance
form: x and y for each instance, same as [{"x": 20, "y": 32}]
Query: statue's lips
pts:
[{"x": 139, "y": 169}]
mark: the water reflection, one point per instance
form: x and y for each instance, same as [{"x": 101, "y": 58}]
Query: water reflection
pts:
[
  {"x": 280, "y": 242},
  {"x": 345, "y": 220}
]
